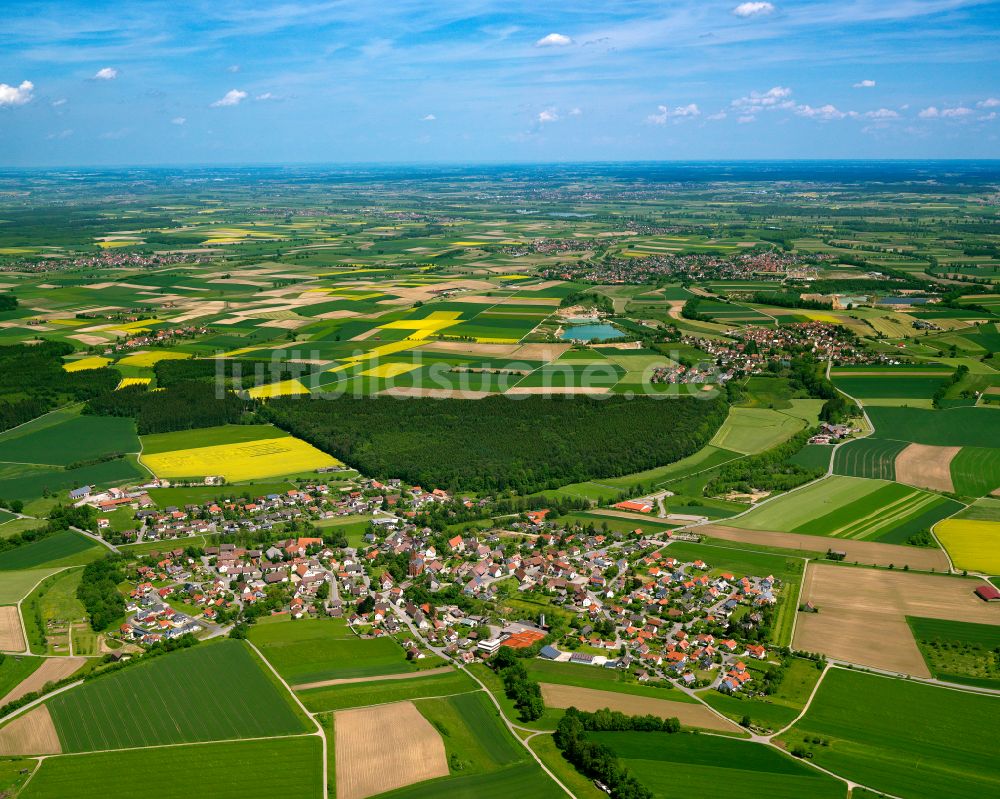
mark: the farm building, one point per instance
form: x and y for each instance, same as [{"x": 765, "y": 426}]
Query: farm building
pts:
[{"x": 988, "y": 593}]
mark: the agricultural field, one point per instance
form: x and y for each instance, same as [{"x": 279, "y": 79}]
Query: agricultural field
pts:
[
  {"x": 231, "y": 770},
  {"x": 315, "y": 650},
  {"x": 862, "y": 613},
  {"x": 876, "y": 733},
  {"x": 667, "y": 764},
  {"x": 180, "y": 702},
  {"x": 751, "y": 430},
  {"x": 959, "y": 652},
  {"x": 240, "y": 458},
  {"x": 972, "y": 545},
  {"x": 65, "y": 548},
  {"x": 374, "y": 692},
  {"x": 855, "y": 508}
]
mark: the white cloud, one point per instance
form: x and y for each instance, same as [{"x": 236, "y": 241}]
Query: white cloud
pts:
[
  {"x": 63, "y": 134},
  {"x": 16, "y": 95},
  {"x": 59, "y": 102},
  {"x": 178, "y": 120},
  {"x": 824, "y": 112},
  {"x": 933, "y": 112},
  {"x": 233, "y": 68},
  {"x": 266, "y": 96},
  {"x": 989, "y": 102},
  {"x": 716, "y": 116},
  {"x": 882, "y": 113},
  {"x": 746, "y": 10},
  {"x": 575, "y": 112},
  {"x": 988, "y": 117},
  {"x": 428, "y": 118},
  {"x": 106, "y": 73},
  {"x": 865, "y": 84},
  {"x": 747, "y": 119},
  {"x": 775, "y": 97},
  {"x": 548, "y": 115},
  {"x": 663, "y": 113},
  {"x": 554, "y": 40},
  {"x": 232, "y": 97}
]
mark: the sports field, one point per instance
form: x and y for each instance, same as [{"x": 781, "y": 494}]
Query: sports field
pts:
[
  {"x": 310, "y": 650},
  {"x": 680, "y": 765},
  {"x": 879, "y": 735},
  {"x": 971, "y": 544},
  {"x": 238, "y": 770},
  {"x": 176, "y": 698},
  {"x": 244, "y": 460}
]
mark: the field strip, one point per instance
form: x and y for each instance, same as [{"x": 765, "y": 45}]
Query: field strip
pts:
[
  {"x": 374, "y": 678},
  {"x": 886, "y": 514},
  {"x": 52, "y": 670},
  {"x": 183, "y": 743}
]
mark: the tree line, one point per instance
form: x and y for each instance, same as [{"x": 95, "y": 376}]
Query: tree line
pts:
[
  {"x": 184, "y": 406},
  {"x": 496, "y": 444}
]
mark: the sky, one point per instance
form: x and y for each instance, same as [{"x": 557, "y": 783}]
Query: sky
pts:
[{"x": 98, "y": 83}]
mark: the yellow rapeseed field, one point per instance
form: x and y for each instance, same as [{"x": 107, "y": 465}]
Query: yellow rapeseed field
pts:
[
  {"x": 133, "y": 381},
  {"x": 390, "y": 370},
  {"x": 151, "y": 358},
  {"x": 972, "y": 544},
  {"x": 254, "y": 460},
  {"x": 94, "y": 362},
  {"x": 283, "y": 389}
]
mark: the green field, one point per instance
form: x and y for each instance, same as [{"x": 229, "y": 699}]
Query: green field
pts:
[
  {"x": 850, "y": 507},
  {"x": 599, "y": 679},
  {"x": 310, "y": 650},
  {"x": 975, "y": 471},
  {"x": 682, "y": 765},
  {"x": 901, "y": 386},
  {"x": 176, "y": 698},
  {"x": 59, "y": 549},
  {"x": 14, "y": 668},
  {"x": 752, "y": 430},
  {"x": 284, "y": 767},
  {"x": 954, "y": 427},
  {"x": 524, "y": 781},
  {"x": 75, "y": 439},
  {"x": 878, "y": 734},
  {"x": 960, "y": 652},
  {"x": 377, "y": 692},
  {"x": 868, "y": 457},
  {"x": 472, "y": 731},
  {"x": 15, "y": 586}
]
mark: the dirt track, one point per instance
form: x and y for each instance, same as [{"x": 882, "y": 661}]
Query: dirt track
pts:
[
  {"x": 30, "y": 734},
  {"x": 688, "y": 713},
  {"x": 926, "y": 467},
  {"x": 382, "y": 748},
  {"x": 379, "y": 678},
  {"x": 11, "y": 635},
  {"x": 862, "y": 613},
  {"x": 51, "y": 670},
  {"x": 866, "y": 552}
]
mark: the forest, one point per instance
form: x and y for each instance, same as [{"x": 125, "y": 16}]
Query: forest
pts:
[
  {"x": 497, "y": 444},
  {"x": 184, "y": 406}
]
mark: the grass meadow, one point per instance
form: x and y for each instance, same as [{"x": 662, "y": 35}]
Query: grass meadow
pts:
[
  {"x": 311, "y": 650},
  {"x": 59, "y": 549},
  {"x": 377, "y": 692}
]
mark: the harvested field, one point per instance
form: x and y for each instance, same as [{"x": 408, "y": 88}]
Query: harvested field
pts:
[
  {"x": 470, "y": 348},
  {"x": 541, "y": 352},
  {"x": 866, "y": 552},
  {"x": 11, "y": 634},
  {"x": 862, "y": 614},
  {"x": 51, "y": 670},
  {"x": 926, "y": 466},
  {"x": 30, "y": 734},
  {"x": 382, "y": 748},
  {"x": 561, "y": 391},
  {"x": 374, "y": 678},
  {"x": 589, "y": 699}
]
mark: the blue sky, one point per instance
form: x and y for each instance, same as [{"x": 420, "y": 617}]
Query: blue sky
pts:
[{"x": 109, "y": 83}]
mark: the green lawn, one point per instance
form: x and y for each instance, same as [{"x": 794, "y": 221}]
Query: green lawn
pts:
[
  {"x": 682, "y": 765},
  {"x": 361, "y": 694},
  {"x": 905, "y": 738},
  {"x": 310, "y": 650},
  {"x": 284, "y": 767},
  {"x": 213, "y": 691}
]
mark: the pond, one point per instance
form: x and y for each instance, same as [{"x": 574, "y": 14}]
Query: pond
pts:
[{"x": 591, "y": 332}]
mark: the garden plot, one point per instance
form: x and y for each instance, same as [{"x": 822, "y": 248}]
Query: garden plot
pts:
[{"x": 385, "y": 747}]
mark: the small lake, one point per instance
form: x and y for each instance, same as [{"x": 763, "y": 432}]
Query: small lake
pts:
[{"x": 592, "y": 332}]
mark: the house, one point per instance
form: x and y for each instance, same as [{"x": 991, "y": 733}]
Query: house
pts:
[{"x": 756, "y": 651}]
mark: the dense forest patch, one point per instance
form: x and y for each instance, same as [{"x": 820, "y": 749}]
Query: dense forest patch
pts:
[{"x": 497, "y": 443}]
